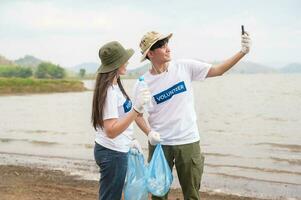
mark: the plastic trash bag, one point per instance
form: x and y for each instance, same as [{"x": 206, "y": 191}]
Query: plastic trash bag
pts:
[
  {"x": 135, "y": 185},
  {"x": 159, "y": 175}
]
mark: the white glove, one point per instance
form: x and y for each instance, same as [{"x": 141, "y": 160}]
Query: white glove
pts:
[
  {"x": 154, "y": 137},
  {"x": 136, "y": 145},
  {"x": 245, "y": 43},
  {"x": 142, "y": 98}
]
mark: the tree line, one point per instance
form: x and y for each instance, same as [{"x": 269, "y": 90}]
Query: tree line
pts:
[{"x": 44, "y": 70}]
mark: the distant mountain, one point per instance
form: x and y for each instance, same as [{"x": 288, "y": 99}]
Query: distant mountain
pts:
[
  {"x": 243, "y": 67},
  {"x": 240, "y": 68},
  {"x": 28, "y": 61},
  {"x": 248, "y": 67},
  {"x": 5, "y": 61},
  {"x": 291, "y": 68},
  {"x": 90, "y": 67},
  {"x": 138, "y": 71}
]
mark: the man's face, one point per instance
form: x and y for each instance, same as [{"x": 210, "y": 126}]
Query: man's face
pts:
[{"x": 161, "y": 54}]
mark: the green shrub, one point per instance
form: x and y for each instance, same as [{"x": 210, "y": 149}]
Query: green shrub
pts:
[
  {"x": 49, "y": 71},
  {"x": 15, "y": 71}
]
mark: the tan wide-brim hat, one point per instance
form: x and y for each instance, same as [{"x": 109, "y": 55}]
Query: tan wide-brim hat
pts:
[
  {"x": 113, "y": 55},
  {"x": 148, "y": 40}
]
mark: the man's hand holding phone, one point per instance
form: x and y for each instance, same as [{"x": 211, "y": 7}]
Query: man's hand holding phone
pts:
[{"x": 245, "y": 41}]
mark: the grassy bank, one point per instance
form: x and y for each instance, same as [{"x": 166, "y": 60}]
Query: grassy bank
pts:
[{"x": 30, "y": 85}]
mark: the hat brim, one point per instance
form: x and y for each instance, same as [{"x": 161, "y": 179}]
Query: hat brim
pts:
[
  {"x": 159, "y": 38},
  {"x": 111, "y": 67}
]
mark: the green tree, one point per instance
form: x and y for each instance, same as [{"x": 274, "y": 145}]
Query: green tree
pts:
[
  {"x": 15, "y": 71},
  {"x": 24, "y": 72},
  {"x": 49, "y": 70},
  {"x": 82, "y": 73},
  {"x": 42, "y": 71}
]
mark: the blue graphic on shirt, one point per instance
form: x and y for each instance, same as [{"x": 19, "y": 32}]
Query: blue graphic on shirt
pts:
[
  {"x": 167, "y": 94},
  {"x": 127, "y": 106}
]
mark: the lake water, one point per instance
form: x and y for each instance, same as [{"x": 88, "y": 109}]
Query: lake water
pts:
[{"x": 250, "y": 127}]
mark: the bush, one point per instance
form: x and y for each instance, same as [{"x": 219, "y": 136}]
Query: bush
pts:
[
  {"x": 82, "y": 73},
  {"x": 49, "y": 70},
  {"x": 15, "y": 71}
]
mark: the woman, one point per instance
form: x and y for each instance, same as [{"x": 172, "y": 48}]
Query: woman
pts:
[{"x": 112, "y": 117}]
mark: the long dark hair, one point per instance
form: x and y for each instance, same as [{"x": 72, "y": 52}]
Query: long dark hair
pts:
[{"x": 103, "y": 82}]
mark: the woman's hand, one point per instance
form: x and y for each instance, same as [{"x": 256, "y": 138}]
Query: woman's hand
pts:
[{"x": 143, "y": 97}]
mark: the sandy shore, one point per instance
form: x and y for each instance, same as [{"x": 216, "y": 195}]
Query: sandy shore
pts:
[{"x": 25, "y": 183}]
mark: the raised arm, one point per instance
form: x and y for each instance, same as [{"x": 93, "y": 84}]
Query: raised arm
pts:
[{"x": 221, "y": 68}]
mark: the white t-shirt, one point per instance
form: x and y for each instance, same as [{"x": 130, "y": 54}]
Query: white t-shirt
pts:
[
  {"x": 116, "y": 106},
  {"x": 173, "y": 114}
]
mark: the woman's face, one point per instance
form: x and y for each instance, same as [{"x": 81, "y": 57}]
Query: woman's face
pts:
[{"x": 122, "y": 69}]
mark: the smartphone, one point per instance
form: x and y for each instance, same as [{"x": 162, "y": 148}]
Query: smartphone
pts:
[{"x": 242, "y": 29}]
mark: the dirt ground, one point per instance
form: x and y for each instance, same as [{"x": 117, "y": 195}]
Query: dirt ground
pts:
[{"x": 25, "y": 183}]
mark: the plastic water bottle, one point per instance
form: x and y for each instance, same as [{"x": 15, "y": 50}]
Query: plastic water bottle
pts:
[{"x": 143, "y": 85}]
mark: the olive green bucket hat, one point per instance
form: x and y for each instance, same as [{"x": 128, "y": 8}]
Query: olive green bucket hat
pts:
[
  {"x": 148, "y": 40},
  {"x": 112, "y": 56}
]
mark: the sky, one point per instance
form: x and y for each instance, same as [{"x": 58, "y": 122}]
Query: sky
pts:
[{"x": 69, "y": 33}]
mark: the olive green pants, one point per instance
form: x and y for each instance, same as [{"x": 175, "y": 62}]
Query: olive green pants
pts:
[{"x": 189, "y": 164}]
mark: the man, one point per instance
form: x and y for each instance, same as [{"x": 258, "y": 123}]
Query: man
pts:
[{"x": 172, "y": 117}]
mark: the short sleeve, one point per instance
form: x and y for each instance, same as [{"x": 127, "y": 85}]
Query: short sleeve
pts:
[
  {"x": 197, "y": 70},
  {"x": 110, "y": 109}
]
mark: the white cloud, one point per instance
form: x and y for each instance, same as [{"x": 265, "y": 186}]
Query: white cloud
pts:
[
  {"x": 214, "y": 40},
  {"x": 45, "y": 16},
  {"x": 69, "y": 35}
]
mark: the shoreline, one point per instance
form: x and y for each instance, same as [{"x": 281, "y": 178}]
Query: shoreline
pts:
[{"x": 24, "y": 183}]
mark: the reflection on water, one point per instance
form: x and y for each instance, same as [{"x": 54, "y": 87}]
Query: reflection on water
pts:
[{"x": 249, "y": 126}]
